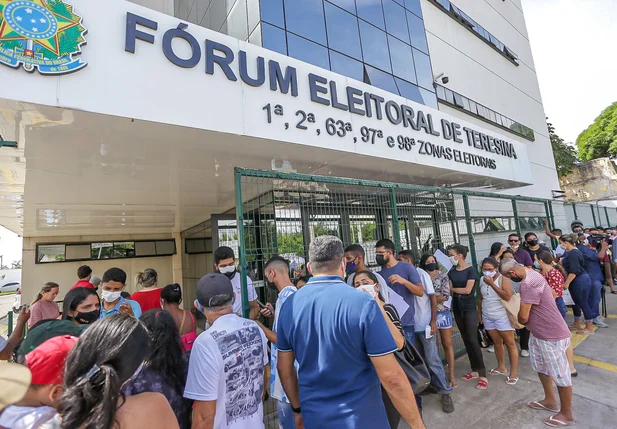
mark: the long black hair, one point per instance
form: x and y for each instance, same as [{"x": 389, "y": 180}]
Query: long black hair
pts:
[
  {"x": 495, "y": 249},
  {"x": 165, "y": 352},
  {"x": 73, "y": 298},
  {"x": 172, "y": 294},
  {"x": 106, "y": 355}
]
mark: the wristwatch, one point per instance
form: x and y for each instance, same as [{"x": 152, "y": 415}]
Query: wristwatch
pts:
[{"x": 296, "y": 410}]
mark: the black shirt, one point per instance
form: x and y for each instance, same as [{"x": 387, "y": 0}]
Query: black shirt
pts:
[
  {"x": 459, "y": 279},
  {"x": 533, "y": 253}
]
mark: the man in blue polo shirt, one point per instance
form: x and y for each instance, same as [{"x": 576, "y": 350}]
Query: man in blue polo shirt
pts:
[
  {"x": 114, "y": 282},
  {"x": 344, "y": 351}
]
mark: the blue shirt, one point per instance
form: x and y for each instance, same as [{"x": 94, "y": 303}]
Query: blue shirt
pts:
[
  {"x": 592, "y": 264},
  {"x": 276, "y": 388},
  {"x": 116, "y": 310},
  {"x": 333, "y": 330},
  {"x": 409, "y": 273}
]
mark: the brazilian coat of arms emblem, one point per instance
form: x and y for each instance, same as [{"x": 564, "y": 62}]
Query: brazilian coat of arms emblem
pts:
[{"x": 41, "y": 34}]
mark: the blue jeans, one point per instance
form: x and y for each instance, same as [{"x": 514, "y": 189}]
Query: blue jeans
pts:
[
  {"x": 561, "y": 306},
  {"x": 430, "y": 353},
  {"x": 410, "y": 336},
  {"x": 579, "y": 290},
  {"x": 286, "y": 415},
  {"x": 595, "y": 296}
]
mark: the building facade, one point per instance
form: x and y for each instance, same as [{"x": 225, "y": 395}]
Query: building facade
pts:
[{"x": 117, "y": 162}]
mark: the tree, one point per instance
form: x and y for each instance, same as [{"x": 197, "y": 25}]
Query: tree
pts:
[
  {"x": 16, "y": 265},
  {"x": 600, "y": 139},
  {"x": 565, "y": 154}
]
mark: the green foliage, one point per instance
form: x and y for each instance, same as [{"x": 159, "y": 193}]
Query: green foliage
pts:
[
  {"x": 69, "y": 40},
  {"x": 321, "y": 229},
  {"x": 290, "y": 243},
  {"x": 600, "y": 139},
  {"x": 564, "y": 153},
  {"x": 59, "y": 8},
  {"x": 16, "y": 265}
]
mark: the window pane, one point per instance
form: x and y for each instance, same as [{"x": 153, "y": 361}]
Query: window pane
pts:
[
  {"x": 349, "y": 5},
  {"x": 273, "y": 38},
  {"x": 374, "y": 49},
  {"x": 308, "y": 51},
  {"x": 402, "y": 59},
  {"x": 381, "y": 80},
  {"x": 441, "y": 92},
  {"x": 343, "y": 35},
  {"x": 306, "y": 19},
  {"x": 167, "y": 247},
  {"x": 417, "y": 32},
  {"x": 458, "y": 99},
  {"x": 395, "y": 20},
  {"x": 51, "y": 253},
  {"x": 423, "y": 69},
  {"x": 371, "y": 11},
  {"x": 429, "y": 98},
  {"x": 124, "y": 249},
  {"x": 409, "y": 91},
  {"x": 346, "y": 66},
  {"x": 449, "y": 96},
  {"x": 81, "y": 251},
  {"x": 145, "y": 248},
  {"x": 414, "y": 6},
  {"x": 272, "y": 12},
  {"x": 102, "y": 250}
]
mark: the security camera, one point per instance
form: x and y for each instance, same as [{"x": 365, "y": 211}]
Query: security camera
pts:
[{"x": 444, "y": 78}]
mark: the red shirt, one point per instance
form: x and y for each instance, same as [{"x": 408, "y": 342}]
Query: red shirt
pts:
[
  {"x": 555, "y": 280},
  {"x": 148, "y": 300},
  {"x": 83, "y": 283}
]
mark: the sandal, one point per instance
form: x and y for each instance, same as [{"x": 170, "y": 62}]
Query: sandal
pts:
[
  {"x": 511, "y": 381},
  {"x": 469, "y": 376},
  {"x": 537, "y": 405},
  {"x": 482, "y": 385},
  {"x": 453, "y": 384},
  {"x": 494, "y": 371},
  {"x": 584, "y": 332},
  {"x": 555, "y": 423}
]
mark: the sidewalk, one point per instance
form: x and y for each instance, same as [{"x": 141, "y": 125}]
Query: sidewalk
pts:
[{"x": 504, "y": 407}]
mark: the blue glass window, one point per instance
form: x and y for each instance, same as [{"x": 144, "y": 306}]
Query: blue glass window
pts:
[
  {"x": 305, "y": 18},
  {"x": 409, "y": 91},
  {"x": 346, "y": 66},
  {"x": 374, "y": 47},
  {"x": 417, "y": 32},
  {"x": 343, "y": 35},
  {"x": 349, "y": 5},
  {"x": 429, "y": 98},
  {"x": 273, "y": 38},
  {"x": 371, "y": 11},
  {"x": 423, "y": 69},
  {"x": 396, "y": 24},
  {"x": 305, "y": 50},
  {"x": 381, "y": 80},
  {"x": 272, "y": 12},
  {"x": 402, "y": 59},
  {"x": 414, "y": 6}
]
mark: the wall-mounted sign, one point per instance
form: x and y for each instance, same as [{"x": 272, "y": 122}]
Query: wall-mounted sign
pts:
[{"x": 41, "y": 34}]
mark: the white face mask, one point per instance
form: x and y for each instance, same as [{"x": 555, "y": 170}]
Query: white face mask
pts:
[
  {"x": 488, "y": 274},
  {"x": 227, "y": 270},
  {"x": 370, "y": 289},
  {"x": 453, "y": 260},
  {"x": 109, "y": 296}
]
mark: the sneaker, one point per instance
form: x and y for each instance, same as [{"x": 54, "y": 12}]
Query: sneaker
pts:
[
  {"x": 447, "y": 406},
  {"x": 599, "y": 322},
  {"x": 525, "y": 353},
  {"x": 430, "y": 390},
  {"x": 491, "y": 349}
]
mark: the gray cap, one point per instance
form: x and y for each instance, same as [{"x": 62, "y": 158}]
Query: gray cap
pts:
[{"x": 211, "y": 285}]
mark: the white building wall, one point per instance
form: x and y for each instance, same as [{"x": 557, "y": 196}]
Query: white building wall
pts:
[{"x": 164, "y": 6}]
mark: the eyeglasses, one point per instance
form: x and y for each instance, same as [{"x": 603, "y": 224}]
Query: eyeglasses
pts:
[{"x": 513, "y": 241}]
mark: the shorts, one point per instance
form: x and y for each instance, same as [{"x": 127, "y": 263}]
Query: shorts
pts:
[
  {"x": 444, "y": 320},
  {"x": 549, "y": 357},
  {"x": 501, "y": 325}
]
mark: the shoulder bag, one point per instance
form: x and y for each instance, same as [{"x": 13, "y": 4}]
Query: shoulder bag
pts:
[
  {"x": 512, "y": 308},
  {"x": 414, "y": 367}
]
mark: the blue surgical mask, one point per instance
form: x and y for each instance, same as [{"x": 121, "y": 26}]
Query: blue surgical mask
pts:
[
  {"x": 351, "y": 267},
  {"x": 536, "y": 264}
]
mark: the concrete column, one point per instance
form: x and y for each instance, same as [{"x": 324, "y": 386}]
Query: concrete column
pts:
[{"x": 176, "y": 262}]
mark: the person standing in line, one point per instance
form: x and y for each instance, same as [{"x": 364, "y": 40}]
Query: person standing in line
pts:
[
  {"x": 555, "y": 275},
  {"x": 520, "y": 254},
  {"x": 344, "y": 351},
  {"x": 227, "y": 365},
  {"x": 225, "y": 263},
  {"x": 7, "y": 346},
  {"x": 355, "y": 259},
  {"x": 84, "y": 275},
  {"x": 276, "y": 274},
  {"x": 149, "y": 296},
  {"x": 114, "y": 282},
  {"x": 595, "y": 270},
  {"x": 550, "y": 338},
  {"x": 532, "y": 245},
  {"x": 494, "y": 288},
  {"x": 81, "y": 306},
  {"x": 426, "y": 316},
  {"x": 578, "y": 283},
  {"x": 497, "y": 250},
  {"x": 96, "y": 282},
  {"x": 404, "y": 280},
  {"x": 44, "y": 307},
  {"x": 463, "y": 278},
  {"x": 301, "y": 281},
  {"x": 441, "y": 284},
  {"x": 171, "y": 297}
]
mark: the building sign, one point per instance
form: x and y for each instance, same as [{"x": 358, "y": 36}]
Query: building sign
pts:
[{"x": 40, "y": 34}]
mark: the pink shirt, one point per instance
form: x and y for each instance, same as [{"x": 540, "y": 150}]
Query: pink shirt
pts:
[
  {"x": 545, "y": 321},
  {"x": 42, "y": 310}
]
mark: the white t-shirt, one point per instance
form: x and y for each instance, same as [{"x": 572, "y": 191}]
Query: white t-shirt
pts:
[
  {"x": 422, "y": 304},
  {"x": 559, "y": 250},
  {"x": 15, "y": 417},
  {"x": 235, "y": 282},
  {"x": 383, "y": 286},
  {"x": 276, "y": 388},
  {"x": 492, "y": 308},
  {"x": 227, "y": 366}
]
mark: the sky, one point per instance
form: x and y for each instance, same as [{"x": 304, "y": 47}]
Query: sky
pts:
[
  {"x": 10, "y": 246},
  {"x": 574, "y": 54}
]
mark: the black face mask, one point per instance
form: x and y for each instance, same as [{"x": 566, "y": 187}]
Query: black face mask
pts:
[
  {"x": 516, "y": 279},
  {"x": 381, "y": 260},
  {"x": 87, "y": 318},
  {"x": 532, "y": 242},
  {"x": 431, "y": 267},
  {"x": 270, "y": 284},
  {"x": 229, "y": 275}
]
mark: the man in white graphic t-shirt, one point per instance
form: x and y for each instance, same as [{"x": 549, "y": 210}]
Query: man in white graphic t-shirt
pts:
[
  {"x": 225, "y": 263},
  {"x": 226, "y": 368}
]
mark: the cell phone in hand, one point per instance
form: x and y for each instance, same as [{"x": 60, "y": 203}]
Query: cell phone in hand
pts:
[
  {"x": 428, "y": 332},
  {"x": 261, "y": 304}
]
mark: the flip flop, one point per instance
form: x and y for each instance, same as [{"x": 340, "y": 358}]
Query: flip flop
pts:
[
  {"x": 482, "y": 385},
  {"x": 453, "y": 384},
  {"x": 574, "y": 374},
  {"x": 554, "y": 423},
  {"x": 511, "y": 381},
  {"x": 469, "y": 376},
  {"x": 536, "y": 405},
  {"x": 583, "y": 332},
  {"x": 495, "y": 372}
]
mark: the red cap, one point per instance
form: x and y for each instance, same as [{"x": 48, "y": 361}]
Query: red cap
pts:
[{"x": 46, "y": 362}]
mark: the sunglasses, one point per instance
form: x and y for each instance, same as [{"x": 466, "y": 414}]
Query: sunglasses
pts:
[{"x": 513, "y": 241}]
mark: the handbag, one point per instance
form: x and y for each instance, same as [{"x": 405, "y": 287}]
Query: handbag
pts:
[
  {"x": 187, "y": 340},
  {"x": 414, "y": 367},
  {"x": 483, "y": 336},
  {"x": 512, "y": 308}
]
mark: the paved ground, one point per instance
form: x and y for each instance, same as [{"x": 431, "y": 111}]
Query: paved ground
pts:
[{"x": 504, "y": 407}]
